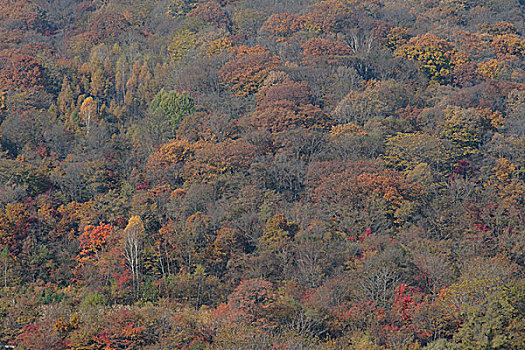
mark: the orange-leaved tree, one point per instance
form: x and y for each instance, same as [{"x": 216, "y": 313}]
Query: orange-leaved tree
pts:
[
  {"x": 246, "y": 72},
  {"x": 93, "y": 242},
  {"x": 286, "y": 104}
]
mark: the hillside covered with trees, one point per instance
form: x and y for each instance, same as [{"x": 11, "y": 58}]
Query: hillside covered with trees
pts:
[{"x": 262, "y": 174}]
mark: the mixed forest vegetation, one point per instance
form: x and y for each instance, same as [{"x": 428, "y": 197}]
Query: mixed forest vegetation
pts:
[{"x": 262, "y": 174}]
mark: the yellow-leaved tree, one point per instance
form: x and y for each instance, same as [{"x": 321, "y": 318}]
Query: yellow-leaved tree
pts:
[
  {"x": 132, "y": 245},
  {"x": 88, "y": 110}
]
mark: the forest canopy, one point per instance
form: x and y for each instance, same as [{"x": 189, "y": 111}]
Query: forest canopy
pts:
[{"x": 253, "y": 174}]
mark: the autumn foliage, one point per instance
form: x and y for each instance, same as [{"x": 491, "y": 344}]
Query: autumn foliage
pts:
[
  {"x": 249, "y": 174},
  {"x": 246, "y": 72}
]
